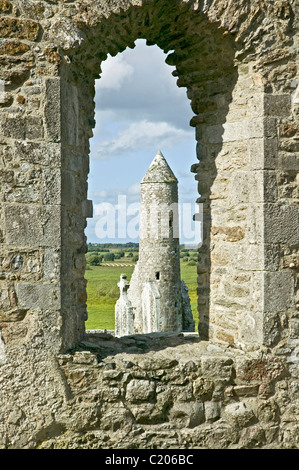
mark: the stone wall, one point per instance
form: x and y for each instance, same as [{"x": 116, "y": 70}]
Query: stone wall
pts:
[
  {"x": 238, "y": 385},
  {"x": 168, "y": 391}
]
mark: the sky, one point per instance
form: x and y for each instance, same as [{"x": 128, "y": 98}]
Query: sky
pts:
[{"x": 139, "y": 111}]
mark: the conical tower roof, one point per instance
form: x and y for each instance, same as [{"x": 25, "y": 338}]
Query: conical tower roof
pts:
[{"x": 159, "y": 171}]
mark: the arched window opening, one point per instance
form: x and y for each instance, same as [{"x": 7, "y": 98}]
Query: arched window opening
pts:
[{"x": 139, "y": 110}]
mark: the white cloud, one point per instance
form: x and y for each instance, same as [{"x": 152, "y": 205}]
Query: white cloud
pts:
[
  {"x": 101, "y": 194},
  {"x": 139, "y": 110},
  {"x": 134, "y": 189},
  {"x": 138, "y": 85},
  {"x": 115, "y": 196},
  {"x": 140, "y": 136},
  {"x": 115, "y": 70}
]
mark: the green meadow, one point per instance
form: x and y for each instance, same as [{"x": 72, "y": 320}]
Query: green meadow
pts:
[{"x": 103, "y": 292}]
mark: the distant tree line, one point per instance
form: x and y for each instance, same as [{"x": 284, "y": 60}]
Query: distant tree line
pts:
[
  {"x": 105, "y": 247},
  {"x": 97, "y": 254},
  {"x": 109, "y": 252}
]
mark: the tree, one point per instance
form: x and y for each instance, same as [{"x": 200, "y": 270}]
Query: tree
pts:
[
  {"x": 109, "y": 257},
  {"x": 95, "y": 260}
]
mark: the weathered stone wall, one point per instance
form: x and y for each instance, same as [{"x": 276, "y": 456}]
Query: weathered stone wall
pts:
[
  {"x": 238, "y": 62},
  {"x": 168, "y": 391}
]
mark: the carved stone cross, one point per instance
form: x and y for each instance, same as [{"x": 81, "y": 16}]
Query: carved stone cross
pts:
[{"x": 123, "y": 284}]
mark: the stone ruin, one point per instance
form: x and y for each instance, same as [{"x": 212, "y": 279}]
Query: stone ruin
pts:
[
  {"x": 235, "y": 385},
  {"x": 157, "y": 299}
]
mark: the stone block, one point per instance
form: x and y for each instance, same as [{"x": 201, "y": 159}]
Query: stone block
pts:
[
  {"x": 246, "y": 390},
  {"x": 216, "y": 367},
  {"x": 272, "y": 257},
  {"x": 112, "y": 375},
  {"x": 212, "y": 411},
  {"x": 228, "y": 132},
  {"x": 21, "y": 195},
  {"x": 13, "y": 47},
  {"x": 51, "y": 264},
  {"x": 263, "y": 153},
  {"x": 289, "y": 129},
  {"x": 251, "y": 327},
  {"x": 281, "y": 224},
  {"x": 271, "y": 328},
  {"x": 5, "y": 5},
  {"x": 257, "y": 292},
  {"x": 187, "y": 415},
  {"x": 239, "y": 415},
  {"x": 255, "y": 217},
  {"x": 270, "y": 127},
  {"x": 70, "y": 107},
  {"x": 256, "y": 257},
  {"x": 234, "y": 290},
  {"x": 13, "y": 126},
  {"x": 277, "y": 105},
  {"x": 41, "y": 153},
  {"x": 77, "y": 163},
  {"x": 52, "y": 186},
  {"x": 222, "y": 255},
  {"x": 273, "y": 223},
  {"x": 140, "y": 390},
  {"x": 4, "y": 298},
  {"x": 68, "y": 188},
  {"x": 241, "y": 187},
  {"x": 242, "y": 130},
  {"x": 278, "y": 291},
  {"x": 52, "y": 110},
  {"x": 147, "y": 413},
  {"x": 294, "y": 328},
  {"x": 116, "y": 417},
  {"x": 109, "y": 394},
  {"x": 32, "y": 225},
  {"x": 38, "y": 296},
  {"x": 19, "y": 28},
  {"x": 202, "y": 388},
  {"x": 34, "y": 128},
  {"x": 288, "y": 161},
  {"x": 38, "y": 10},
  {"x": 157, "y": 362},
  {"x": 263, "y": 369},
  {"x": 253, "y": 186},
  {"x": 270, "y": 189},
  {"x": 14, "y": 315},
  {"x": 201, "y": 151}
]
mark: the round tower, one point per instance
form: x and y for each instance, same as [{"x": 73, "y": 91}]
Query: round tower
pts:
[{"x": 155, "y": 287}]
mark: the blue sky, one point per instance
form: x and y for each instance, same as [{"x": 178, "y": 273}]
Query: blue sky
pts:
[{"x": 139, "y": 110}]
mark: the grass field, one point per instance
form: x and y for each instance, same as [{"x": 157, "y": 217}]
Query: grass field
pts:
[{"x": 103, "y": 292}]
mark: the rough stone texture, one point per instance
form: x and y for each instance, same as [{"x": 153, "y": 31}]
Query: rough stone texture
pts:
[
  {"x": 162, "y": 391},
  {"x": 238, "y": 386}
]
